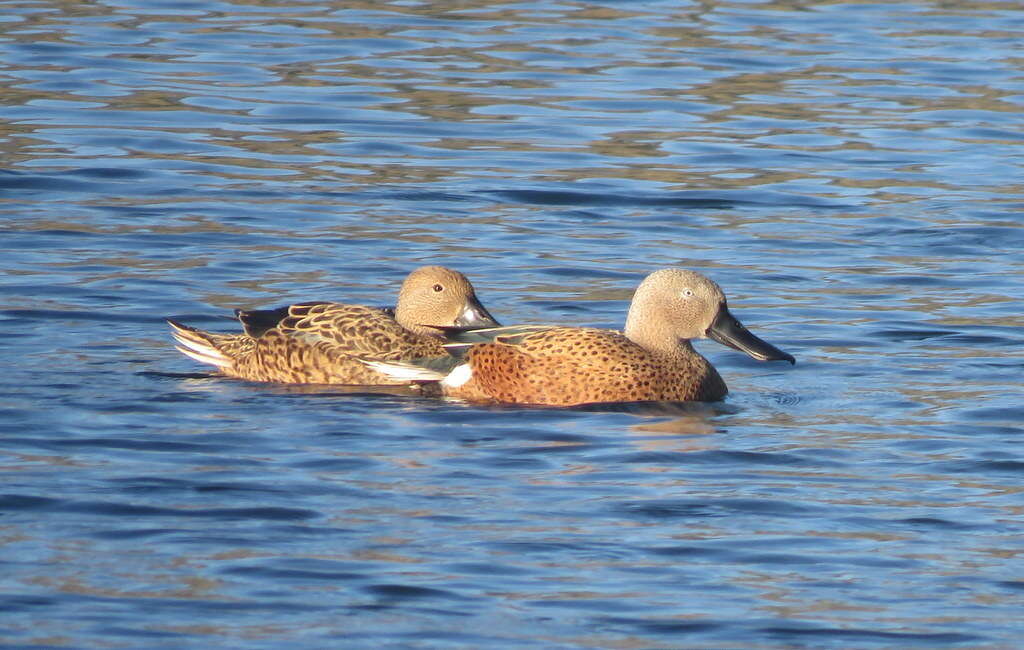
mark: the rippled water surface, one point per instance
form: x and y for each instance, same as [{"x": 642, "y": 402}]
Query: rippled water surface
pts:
[{"x": 849, "y": 172}]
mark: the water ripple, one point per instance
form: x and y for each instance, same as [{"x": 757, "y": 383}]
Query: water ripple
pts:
[{"x": 849, "y": 173}]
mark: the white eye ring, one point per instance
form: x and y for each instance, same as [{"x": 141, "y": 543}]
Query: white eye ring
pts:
[{"x": 687, "y": 293}]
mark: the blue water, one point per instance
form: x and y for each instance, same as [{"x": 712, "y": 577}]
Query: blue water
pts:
[{"x": 850, "y": 173}]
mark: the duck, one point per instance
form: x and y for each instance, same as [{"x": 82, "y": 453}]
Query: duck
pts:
[
  {"x": 651, "y": 360},
  {"x": 327, "y": 342}
]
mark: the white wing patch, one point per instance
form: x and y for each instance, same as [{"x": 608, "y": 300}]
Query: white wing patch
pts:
[
  {"x": 404, "y": 371},
  {"x": 458, "y": 376}
]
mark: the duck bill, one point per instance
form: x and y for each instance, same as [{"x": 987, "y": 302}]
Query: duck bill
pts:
[
  {"x": 728, "y": 330},
  {"x": 474, "y": 316}
]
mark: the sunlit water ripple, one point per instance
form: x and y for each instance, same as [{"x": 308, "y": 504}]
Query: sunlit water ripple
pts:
[{"x": 848, "y": 172}]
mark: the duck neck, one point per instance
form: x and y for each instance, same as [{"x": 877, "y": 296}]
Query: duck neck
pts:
[
  {"x": 421, "y": 330},
  {"x": 407, "y": 318},
  {"x": 646, "y": 333}
]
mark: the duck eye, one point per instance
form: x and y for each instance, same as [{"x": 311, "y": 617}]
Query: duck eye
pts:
[
  {"x": 438, "y": 288},
  {"x": 687, "y": 293}
]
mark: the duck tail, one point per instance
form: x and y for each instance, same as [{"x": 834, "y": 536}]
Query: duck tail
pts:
[{"x": 199, "y": 345}]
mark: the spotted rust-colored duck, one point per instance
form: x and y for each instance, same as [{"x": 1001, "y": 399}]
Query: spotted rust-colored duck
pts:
[
  {"x": 321, "y": 342},
  {"x": 652, "y": 360}
]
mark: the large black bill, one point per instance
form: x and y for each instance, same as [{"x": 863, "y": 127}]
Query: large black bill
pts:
[
  {"x": 475, "y": 316},
  {"x": 727, "y": 330}
]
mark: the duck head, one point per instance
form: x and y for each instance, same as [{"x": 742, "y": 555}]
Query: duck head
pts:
[
  {"x": 674, "y": 305},
  {"x": 435, "y": 298}
]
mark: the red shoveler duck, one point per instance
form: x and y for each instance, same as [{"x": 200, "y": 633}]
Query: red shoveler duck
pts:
[{"x": 323, "y": 342}]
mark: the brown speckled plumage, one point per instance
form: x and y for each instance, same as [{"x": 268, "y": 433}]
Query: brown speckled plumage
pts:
[
  {"x": 319, "y": 342},
  {"x": 652, "y": 360},
  {"x": 565, "y": 366}
]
